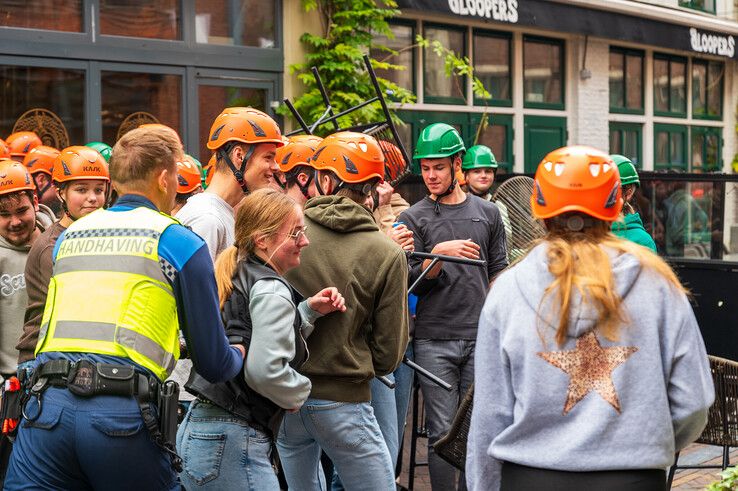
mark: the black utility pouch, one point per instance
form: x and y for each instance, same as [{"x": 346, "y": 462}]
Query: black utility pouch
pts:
[
  {"x": 168, "y": 408},
  {"x": 102, "y": 379}
]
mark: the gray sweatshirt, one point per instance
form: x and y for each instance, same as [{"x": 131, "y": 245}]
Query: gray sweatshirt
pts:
[{"x": 591, "y": 404}]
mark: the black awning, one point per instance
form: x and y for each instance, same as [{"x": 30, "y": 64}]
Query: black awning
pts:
[{"x": 563, "y": 17}]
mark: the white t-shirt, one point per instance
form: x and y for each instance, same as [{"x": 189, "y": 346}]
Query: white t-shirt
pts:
[{"x": 210, "y": 217}]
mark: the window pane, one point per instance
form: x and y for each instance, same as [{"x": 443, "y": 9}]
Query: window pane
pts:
[
  {"x": 213, "y": 98},
  {"x": 634, "y": 67},
  {"x": 615, "y": 142},
  {"x": 617, "y": 82},
  {"x": 712, "y": 152},
  {"x": 495, "y": 137},
  {"x": 59, "y": 94},
  {"x": 159, "y": 19},
  {"x": 630, "y": 146},
  {"x": 677, "y": 149},
  {"x": 235, "y": 22},
  {"x": 715, "y": 89},
  {"x": 699, "y": 88},
  {"x": 662, "y": 147},
  {"x": 437, "y": 84},
  {"x": 131, "y": 99},
  {"x": 678, "y": 87},
  {"x": 60, "y": 15},
  {"x": 542, "y": 72},
  {"x": 492, "y": 65},
  {"x": 698, "y": 143},
  {"x": 661, "y": 85},
  {"x": 403, "y": 39}
]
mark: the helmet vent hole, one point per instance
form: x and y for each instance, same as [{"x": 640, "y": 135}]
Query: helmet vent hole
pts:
[
  {"x": 352, "y": 144},
  {"x": 548, "y": 166},
  {"x": 594, "y": 169},
  {"x": 363, "y": 146},
  {"x": 605, "y": 167},
  {"x": 558, "y": 169}
]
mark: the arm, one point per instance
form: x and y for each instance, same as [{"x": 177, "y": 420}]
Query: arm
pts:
[
  {"x": 199, "y": 318},
  {"x": 272, "y": 347},
  {"x": 38, "y": 274},
  {"x": 389, "y": 334},
  {"x": 497, "y": 247},
  {"x": 493, "y": 407},
  {"x": 690, "y": 388},
  {"x": 308, "y": 316}
]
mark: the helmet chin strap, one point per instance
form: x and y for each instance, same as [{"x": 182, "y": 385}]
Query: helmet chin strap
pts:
[{"x": 238, "y": 173}]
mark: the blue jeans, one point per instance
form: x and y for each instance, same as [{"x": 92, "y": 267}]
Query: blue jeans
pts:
[
  {"x": 87, "y": 443},
  {"x": 348, "y": 433},
  {"x": 221, "y": 451},
  {"x": 452, "y": 360}
]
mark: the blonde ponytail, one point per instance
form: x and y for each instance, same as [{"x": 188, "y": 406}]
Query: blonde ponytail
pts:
[{"x": 225, "y": 268}]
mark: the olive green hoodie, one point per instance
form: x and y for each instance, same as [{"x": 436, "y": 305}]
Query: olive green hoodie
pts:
[{"x": 347, "y": 250}]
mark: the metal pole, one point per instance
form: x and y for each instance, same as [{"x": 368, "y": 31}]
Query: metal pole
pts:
[
  {"x": 324, "y": 94},
  {"x": 297, "y": 116}
]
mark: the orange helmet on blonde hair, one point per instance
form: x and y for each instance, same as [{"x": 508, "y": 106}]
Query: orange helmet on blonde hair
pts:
[
  {"x": 353, "y": 157},
  {"x": 297, "y": 151},
  {"x": 14, "y": 177},
  {"x": 577, "y": 178},
  {"x": 245, "y": 125},
  {"x": 4, "y": 150},
  {"x": 188, "y": 175},
  {"x": 22, "y": 142},
  {"x": 77, "y": 162},
  {"x": 40, "y": 159}
]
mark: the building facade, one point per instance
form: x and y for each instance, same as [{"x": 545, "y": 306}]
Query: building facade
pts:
[{"x": 85, "y": 70}]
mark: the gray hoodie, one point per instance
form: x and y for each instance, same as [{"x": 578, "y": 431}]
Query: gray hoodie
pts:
[
  {"x": 13, "y": 297},
  {"x": 591, "y": 404}
]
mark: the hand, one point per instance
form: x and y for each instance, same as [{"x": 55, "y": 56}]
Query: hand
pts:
[
  {"x": 384, "y": 193},
  {"x": 403, "y": 237},
  {"x": 327, "y": 300},
  {"x": 458, "y": 248},
  {"x": 241, "y": 349}
]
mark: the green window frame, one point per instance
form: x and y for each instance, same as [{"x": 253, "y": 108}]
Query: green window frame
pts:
[
  {"x": 527, "y": 40},
  {"x": 381, "y": 54},
  {"x": 670, "y": 147},
  {"x": 702, "y": 5},
  {"x": 672, "y": 87},
  {"x": 627, "y": 139},
  {"x": 435, "y": 99},
  {"x": 629, "y": 58},
  {"x": 709, "y": 155},
  {"x": 499, "y": 122},
  {"x": 708, "y": 89},
  {"x": 496, "y": 99}
]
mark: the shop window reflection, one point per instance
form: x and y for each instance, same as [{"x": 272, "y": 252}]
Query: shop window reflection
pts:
[
  {"x": 159, "y": 19},
  {"x": 212, "y": 100},
  {"x": 235, "y": 22},
  {"x": 60, "y": 15},
  {"x": 152, "y": 96},
  {"x": 59, "y": 91}
]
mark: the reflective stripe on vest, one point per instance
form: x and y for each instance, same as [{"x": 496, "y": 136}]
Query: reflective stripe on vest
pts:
[{"x": 109, "y": 294}]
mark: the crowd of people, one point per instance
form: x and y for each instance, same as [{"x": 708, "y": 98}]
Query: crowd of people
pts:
[{"x": 257, "y": 301}]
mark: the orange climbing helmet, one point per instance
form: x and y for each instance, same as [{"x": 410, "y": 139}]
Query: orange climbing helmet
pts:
[
  {"x": 79, "y": 162},
  {"x": 4, "y": 150},
  {"x": 297, "y": 151},
  {"x": 22, "y": 142},
  {"x": 577, "y": 178},
  {"x": 14, "y": 177},
  {"x": 353, "y": 157},
  {"x": 40, "y": 159},
  {"x": 188, "y": 175},
  {"x": 245, "y": 125}
]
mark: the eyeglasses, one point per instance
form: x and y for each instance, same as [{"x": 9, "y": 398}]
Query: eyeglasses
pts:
[{"x": 298, "y": 234}]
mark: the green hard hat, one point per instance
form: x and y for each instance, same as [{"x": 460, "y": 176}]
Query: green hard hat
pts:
[
  {"x": 628, "y": 172},
  {"x": 478, "y": 157},
  {"x": 437, "y": 141},
  {"x": 102, "y": 148}
]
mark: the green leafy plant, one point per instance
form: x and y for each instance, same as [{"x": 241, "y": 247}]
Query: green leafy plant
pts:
[
  {"x": 728, "y": 480},
  {"x": 349, "y": 27}
]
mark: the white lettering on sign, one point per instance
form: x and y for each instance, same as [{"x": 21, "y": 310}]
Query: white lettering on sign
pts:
[
  {"x": 711, "y": 43},
  {"x": 499, "y": 10}
]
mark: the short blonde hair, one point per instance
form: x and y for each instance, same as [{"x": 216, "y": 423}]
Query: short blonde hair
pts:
[{"x": 143, "y": 152}]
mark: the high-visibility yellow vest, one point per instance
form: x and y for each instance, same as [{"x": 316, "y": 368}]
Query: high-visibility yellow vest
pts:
[{"x": 109, "y": 294}]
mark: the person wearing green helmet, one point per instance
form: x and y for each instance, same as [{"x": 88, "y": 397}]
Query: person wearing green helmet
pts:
[
  {"x": 103, "y": 149},
  {"x": 480, "y": 168},
  {"x": 629, "y": 225},
  {"x": 450, "y": 297}
]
